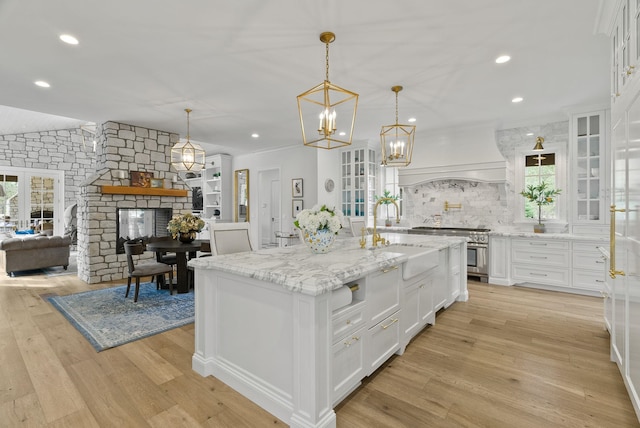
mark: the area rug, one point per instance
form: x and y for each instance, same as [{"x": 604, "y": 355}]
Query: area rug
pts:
[{"x": 106, "y": 319}]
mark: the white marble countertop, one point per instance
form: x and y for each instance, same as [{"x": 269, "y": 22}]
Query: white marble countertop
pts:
[
  {"x": 298, "y": 269},
  {"x": 565, "y": 236}
]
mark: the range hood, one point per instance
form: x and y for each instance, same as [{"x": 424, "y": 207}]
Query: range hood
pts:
[{"x": 456, "y": 154}]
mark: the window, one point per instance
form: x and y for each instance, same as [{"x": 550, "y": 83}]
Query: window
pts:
[
  {"x": 540, "y": 168},
  {"x": 390, "y": 183},
  {"x": 534, "y": 168}
]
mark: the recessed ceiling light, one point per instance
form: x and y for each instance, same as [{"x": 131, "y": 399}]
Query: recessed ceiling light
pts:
[
  {"x": 42, "y": 84},
  {"x": 342, "y": 134},
  {"x": 517, "y": 100},
  {"x": 69, "y": 39},
  {"x": 529, "y": 134},
  {"x": 412, "y": 119},
  {"x": 254, "y": 135},
  {"x": 502, "y": 59}
]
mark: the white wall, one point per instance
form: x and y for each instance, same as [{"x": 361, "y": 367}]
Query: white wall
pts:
[{"x": 293, "y": 162}]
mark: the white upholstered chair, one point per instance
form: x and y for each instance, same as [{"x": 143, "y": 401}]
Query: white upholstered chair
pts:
[
  {"x": 229, "y": 238},
  {"x": 357, "y": 223}
]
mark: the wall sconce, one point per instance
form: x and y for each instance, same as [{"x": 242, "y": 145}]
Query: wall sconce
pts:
[{"x": 538, "y": 147}]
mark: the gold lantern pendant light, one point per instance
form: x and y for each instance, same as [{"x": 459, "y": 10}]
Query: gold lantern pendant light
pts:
[
  {"x": 397, "y": 140},
  {"x": 327, "y": 112},
  {"x": 185, "y": 155}
]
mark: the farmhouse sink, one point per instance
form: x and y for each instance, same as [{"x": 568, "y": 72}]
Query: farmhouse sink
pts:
[{"x": 420, "y": 259}]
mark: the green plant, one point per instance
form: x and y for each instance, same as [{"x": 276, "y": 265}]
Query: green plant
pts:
[
  {"x": 387, "y": 199},
  {"x": 541, "y": 194}
]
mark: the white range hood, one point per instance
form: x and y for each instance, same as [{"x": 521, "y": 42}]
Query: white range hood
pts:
[{"x": 455, "y": 154}]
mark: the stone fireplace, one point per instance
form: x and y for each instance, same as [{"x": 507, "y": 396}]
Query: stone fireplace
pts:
[{"x": 121, "y": 148}]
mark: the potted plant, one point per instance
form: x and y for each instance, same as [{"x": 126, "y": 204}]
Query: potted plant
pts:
[
  {"x": 388, "y": 200},
  {"x": 541, "y": 194}
]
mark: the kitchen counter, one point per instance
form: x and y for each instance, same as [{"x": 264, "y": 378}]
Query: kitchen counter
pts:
[
  {"x": 297, "y": 269},
  {"x": 266, "y": 326},
  {"x": 563, "y": 236}
]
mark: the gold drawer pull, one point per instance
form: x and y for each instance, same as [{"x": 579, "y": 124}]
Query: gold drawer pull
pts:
[
  {"x": 389, "y": 269},
  {"x": 537, "y": 274},
  {"x": 538, "y": 257},
  {"x": 393, "y": 321},
  {"x": 348, "y": 322},
  {"x": 348, "y": 343},
  {"x": 600, "y": 262},
  {"x": 539, "y": 244}
]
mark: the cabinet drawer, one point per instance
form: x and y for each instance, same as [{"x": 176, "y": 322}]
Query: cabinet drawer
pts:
[
  {"x": 541, "y": 244},
  {"x": 589, "y": 246},
  {"x": 589, "y": 280},
  {"x": 348, "y": 320},
  {"x": 541, "y": 275},
  {"x": 542, "y": 256},
  {"x": 348, "y": 364},
  {"x": 590, "y": 261},
  {"x": 383, "y": 294},
  {"x": 383, "y": 340}
]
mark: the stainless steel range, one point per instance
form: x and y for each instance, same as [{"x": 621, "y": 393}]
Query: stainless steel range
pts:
[{"x": 477, "y": 246}]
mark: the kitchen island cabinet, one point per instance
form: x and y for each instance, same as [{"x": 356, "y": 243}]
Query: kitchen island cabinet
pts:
[{"x": 266, "y": 325}]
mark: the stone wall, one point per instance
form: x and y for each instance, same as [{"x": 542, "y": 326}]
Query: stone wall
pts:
[
  {"x": 58, "y": 150},
  {"x": 123, "y": 148}
]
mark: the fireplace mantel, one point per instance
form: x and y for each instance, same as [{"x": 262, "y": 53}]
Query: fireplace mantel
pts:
[{"x": 148, "y": 191}]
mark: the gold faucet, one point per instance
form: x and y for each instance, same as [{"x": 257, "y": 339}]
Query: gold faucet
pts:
[{"x": 376, "y": 236}]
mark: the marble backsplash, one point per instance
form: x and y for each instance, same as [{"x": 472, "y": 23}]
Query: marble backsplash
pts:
[{"x": 482, "y": 204}]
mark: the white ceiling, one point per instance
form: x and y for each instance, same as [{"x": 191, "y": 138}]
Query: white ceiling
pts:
[{"x": 240, "y": 64}]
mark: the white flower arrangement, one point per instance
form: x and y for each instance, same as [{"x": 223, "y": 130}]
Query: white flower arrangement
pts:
[
  {"x": 184, "y": 223},
  {"x": 320, "y": 217}
]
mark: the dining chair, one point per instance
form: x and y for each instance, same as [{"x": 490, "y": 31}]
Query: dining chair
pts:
[
  {"x": 143, "y": 269},
  {"x": 228, "y": 238},
  {"x": 357, "y": 223},
  {"x": 163, "y": 257}
]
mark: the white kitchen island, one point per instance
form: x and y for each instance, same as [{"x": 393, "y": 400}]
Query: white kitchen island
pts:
[{"x": 265, "y": 324}]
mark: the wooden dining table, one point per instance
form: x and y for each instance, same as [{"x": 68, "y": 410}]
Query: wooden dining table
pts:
[{"x": 182, "y": 249}]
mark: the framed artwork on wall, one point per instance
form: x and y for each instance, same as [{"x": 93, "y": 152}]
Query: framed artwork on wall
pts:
[
  {"x": 296, "y": 207},
  {"x": 157, "y": 183},
  {"x": 296, "y": 187},
  {"x": 140, "y": 178}
]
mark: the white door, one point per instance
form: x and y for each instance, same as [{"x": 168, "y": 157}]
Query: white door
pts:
[
  {"x": 275, "y": 210},
  {"x": 269, "y": 205},
  {"x": 32, "y": 199},
  {"x": 627, "y": 179}
]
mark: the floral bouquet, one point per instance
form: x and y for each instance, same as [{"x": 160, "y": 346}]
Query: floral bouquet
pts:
[
  {"x": 319, "y": 218},
  {"x": 184, "y": 223}
]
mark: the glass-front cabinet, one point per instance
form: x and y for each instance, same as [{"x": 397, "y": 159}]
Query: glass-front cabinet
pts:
[
  {"x": 589, "y": 167},
  {"x": 358, "y": 182}
]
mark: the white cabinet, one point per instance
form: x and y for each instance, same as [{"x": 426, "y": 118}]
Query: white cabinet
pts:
[
  {"x": 382, "y": 294},
  {"x": 541, "y": 261},
  {"x": 417, "y": 307},
  {"x": 454, "y": 274},
  {"x": 357, "y": 181},
  {"x": 588, "y": 266},
  {"x": 217, "y": 189},
  {"x": 499, "y": 260},
  {"x": 348, "y": 349},
  {"x": 589, "y": 170},
  {"x": 440, "y": 285}
]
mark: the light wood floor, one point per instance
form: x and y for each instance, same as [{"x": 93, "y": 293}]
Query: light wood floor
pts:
[{"x": 510, "y": 357}]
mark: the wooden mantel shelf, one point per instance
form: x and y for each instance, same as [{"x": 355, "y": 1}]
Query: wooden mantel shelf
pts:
[{"x": 148, "y": 191}]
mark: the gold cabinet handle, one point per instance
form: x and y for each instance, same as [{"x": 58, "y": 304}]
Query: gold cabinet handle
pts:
[
  {"x": 389, "y": 269},
  {"x": 348, "y": 343},
  {"x": 393, "y": 321},
  {"x": 612, "y": 243}
]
